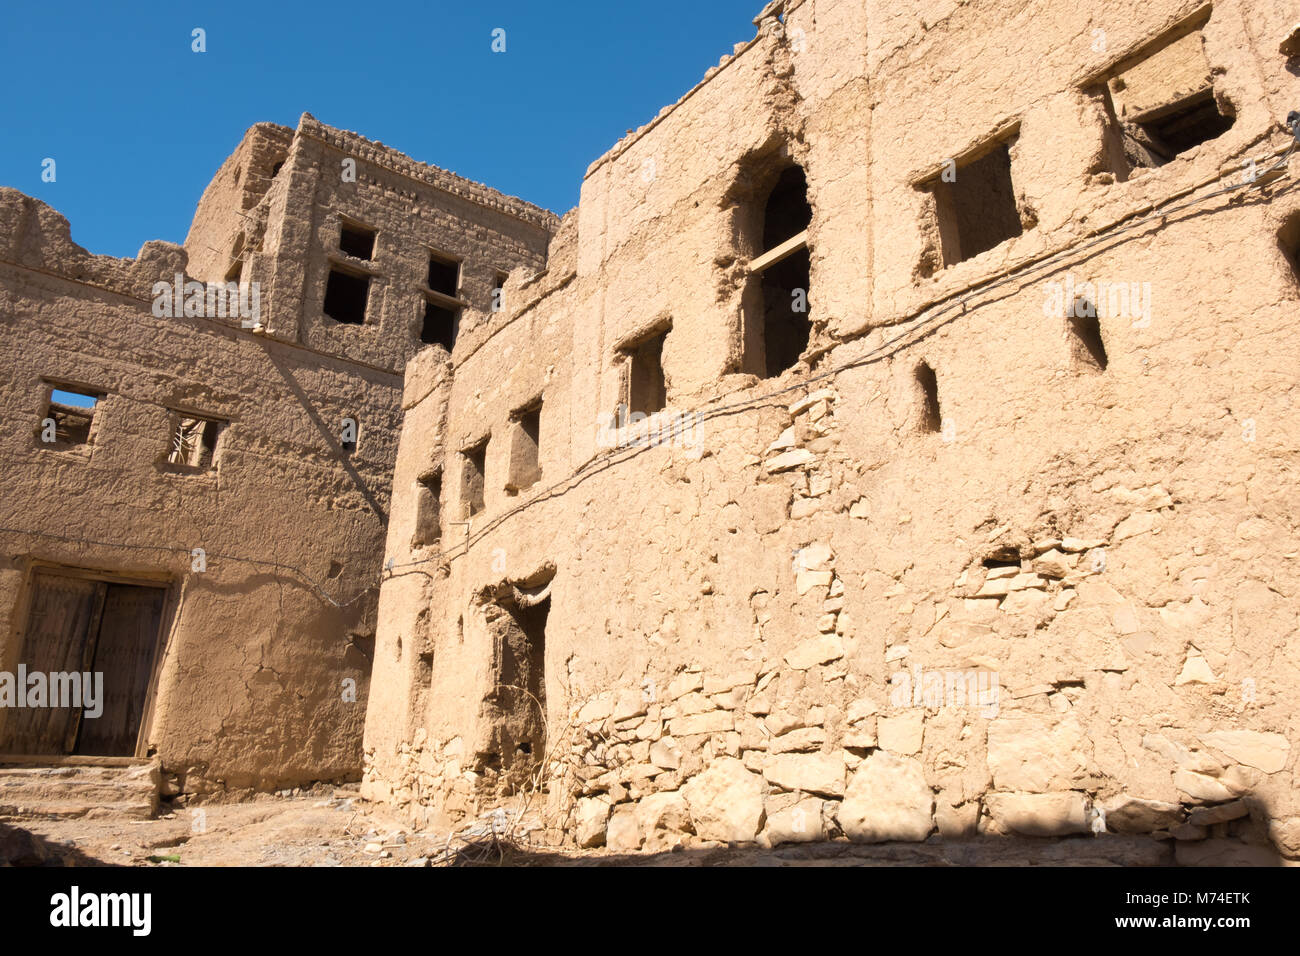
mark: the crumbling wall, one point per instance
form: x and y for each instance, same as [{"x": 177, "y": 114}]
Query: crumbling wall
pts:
[
  {"x": 414, "y": 209},
  {"x": 251, "y": 686},
  {"x": 226, "y": 224},
  {"x": 269, "y": 544},
  {"x": 1048, "y": 597}
]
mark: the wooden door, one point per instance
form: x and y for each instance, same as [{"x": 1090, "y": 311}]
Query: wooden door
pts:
[
  {"x": 87, "y": 626},
  {"x": 124, "y": 651},
  {"x": 65, "y": 612}
]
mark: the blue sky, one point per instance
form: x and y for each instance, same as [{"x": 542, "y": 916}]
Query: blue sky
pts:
[{"x": 138, "y": 123}]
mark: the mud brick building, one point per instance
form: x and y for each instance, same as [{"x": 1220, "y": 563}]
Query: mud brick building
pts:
[
  {"x": 205, "y": 528},
  {"x": 898, "y": 441},
  {"x": 995, "y": 536}
]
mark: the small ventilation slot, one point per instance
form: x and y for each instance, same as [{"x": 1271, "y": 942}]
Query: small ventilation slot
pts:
[
  {"x": 931, "y": 416},
  {"x": 1089, "y": 351}
]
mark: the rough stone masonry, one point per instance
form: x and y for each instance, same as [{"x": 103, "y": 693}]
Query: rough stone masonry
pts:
[
  {"x": 897, "y": 442},
  {"x": 945, "y": 554}
]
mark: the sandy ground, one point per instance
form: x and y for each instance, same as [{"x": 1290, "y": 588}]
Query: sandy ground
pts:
[{"x": 309, "y": 830}]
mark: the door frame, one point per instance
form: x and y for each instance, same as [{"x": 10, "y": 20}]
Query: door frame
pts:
[{"x": 160, "y": 580}]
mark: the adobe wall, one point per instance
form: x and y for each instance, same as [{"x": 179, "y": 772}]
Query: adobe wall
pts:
[
  {"x": 250, "y": 687},
  {"x": 736, "y": 620},
  {"x": 227, "y": 211},
  {"x": 266, "y": 662},
  {"x": 293, "y": 238}
]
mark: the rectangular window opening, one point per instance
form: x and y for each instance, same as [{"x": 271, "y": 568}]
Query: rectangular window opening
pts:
[
  {"x": 499, "y": 291},
  {"x": 69, "y": 415},
  {"x": 357, "y": 241},
  {"x": 440, "y": 326},
  {"x": 1166, "y": 134},
  {"x": 428, "y": 523},
  {"x": 646, "y": 389},
  {"x": 1163, "y": 104},
  {"x": 193, "y": 443},
  {"x": 444, "y": 275},
  {"x": 346, "y": 296},
  {"x": 787, "y": 328},
  {"x": 776, "y": 219},
  {"x": 976, "y": 205},
  {"x": 525, "y": 449},
  {"x": 473, "y": 478}
]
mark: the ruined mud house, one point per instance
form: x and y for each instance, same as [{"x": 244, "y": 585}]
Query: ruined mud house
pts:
[
  {"x": 195, "y": 503},
  {"x": 897, "y": 441}
]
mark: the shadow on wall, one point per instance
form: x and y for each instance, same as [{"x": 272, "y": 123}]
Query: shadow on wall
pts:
[
  {"x": 1237, "y": 838},
  {"x": 333, "y": 439}
]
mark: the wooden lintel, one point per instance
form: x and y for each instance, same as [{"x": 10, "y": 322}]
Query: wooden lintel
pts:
[
  {"x": 783, "y": 251},
  {"x": 446, "y": 301}
]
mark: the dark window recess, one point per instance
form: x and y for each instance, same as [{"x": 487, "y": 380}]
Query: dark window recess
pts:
[
  {"x": 1085, "y": 336},
  {"x": 1163, "y": 104},
  {"x": 782, "y": 288},
  {"x": 1288, "y": 240},
  {"x": 786, "y": 328},
  {"x": 525, "y": 450},
  {"x": 357, "y": 241},
  {"x": 194, "y": 443},
  {"x": 428, "y": 525},
  {"x": 472, "y": 482},
  {"x": 499, "y": 291},
  {"x": 440, "y": 326},
  {"x": 647, "y": 391},
  {"x": 72, "y": 414},
  {"x": 235, "y": 272},
  {"x": 977, "y": 211},
  {"x": 931, "y": 416},
  {"x": 444, "y": 276},
  {"x": 345, "y": 297},
  {"x": 1158, "y": 138},
  {"x": 275, "y": 169},
  {"x": 787, "y": 213}
]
